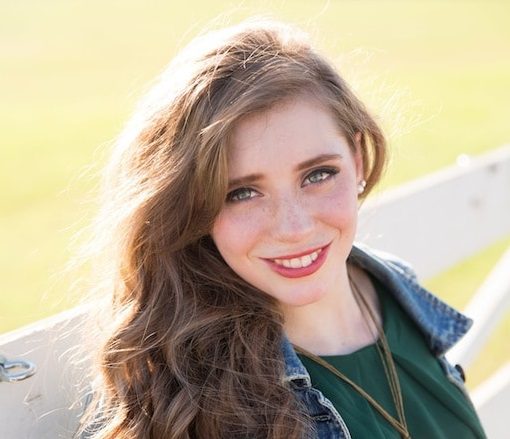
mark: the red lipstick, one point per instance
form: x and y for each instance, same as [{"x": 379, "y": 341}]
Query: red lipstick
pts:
[{"x": 302, "y": 271}]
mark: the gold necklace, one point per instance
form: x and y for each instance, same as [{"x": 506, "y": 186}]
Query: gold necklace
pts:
[{"x": 390, "y": 371}]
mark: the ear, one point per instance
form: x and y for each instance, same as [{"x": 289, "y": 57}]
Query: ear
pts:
[{"x": 358, "y": 157}]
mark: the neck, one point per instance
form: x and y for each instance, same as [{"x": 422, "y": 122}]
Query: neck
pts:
[{"x": 334, "y": 325}]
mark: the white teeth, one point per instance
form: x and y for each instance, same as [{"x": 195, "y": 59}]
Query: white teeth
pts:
[
  {"x": 296, "y": 263},
  {"x": 306, "y": 260},
  {"x": 303, "y": 261}
]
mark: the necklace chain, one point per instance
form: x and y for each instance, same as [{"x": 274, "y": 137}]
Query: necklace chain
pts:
[{"x": 390, "y": 371}]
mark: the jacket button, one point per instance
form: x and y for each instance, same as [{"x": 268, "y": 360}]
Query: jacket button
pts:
[{"x": 461, "y": 371}]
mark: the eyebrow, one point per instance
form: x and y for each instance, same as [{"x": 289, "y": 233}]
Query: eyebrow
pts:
[{"x": 252, "y": 178}]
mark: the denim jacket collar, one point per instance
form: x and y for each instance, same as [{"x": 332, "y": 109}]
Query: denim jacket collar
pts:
[{"x": 442, "y": 325}]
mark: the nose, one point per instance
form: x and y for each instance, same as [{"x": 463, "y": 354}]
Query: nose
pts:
[{"x": 292, "y": 220}]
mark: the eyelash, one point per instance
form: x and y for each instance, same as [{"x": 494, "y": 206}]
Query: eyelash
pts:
[
  {"x": 235, "y": 192},
  {"x": 331, "y": 172}
]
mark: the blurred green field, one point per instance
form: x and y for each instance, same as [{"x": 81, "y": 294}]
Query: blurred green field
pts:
[{"x": 437, "y": 72}]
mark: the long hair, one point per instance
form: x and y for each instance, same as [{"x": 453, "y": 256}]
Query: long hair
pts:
[{"x": 191, "y": 350}]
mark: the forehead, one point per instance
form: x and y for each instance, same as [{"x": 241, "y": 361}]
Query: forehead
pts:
[{"x": 292, "y": 130}]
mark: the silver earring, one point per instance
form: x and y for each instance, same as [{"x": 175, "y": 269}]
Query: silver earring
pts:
[{"x": 361, "y": 186}]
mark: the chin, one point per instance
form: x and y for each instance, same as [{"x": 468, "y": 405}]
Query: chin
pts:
[{"x": 299, "y": 300}]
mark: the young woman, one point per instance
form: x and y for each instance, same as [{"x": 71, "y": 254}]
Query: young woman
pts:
[{"x": 238, "y": 305}]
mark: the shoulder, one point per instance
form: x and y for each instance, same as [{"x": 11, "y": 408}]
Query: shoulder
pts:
[
  {"x": 442, "y": 325},
  {"x": 366, "y": 254}
]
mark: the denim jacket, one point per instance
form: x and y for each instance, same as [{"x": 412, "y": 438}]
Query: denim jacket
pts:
[{"x": 442, "y": 326}]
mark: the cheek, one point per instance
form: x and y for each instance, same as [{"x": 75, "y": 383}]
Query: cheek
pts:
[
  {"x": 340, "y": 207},
  {"x": 233, "y": 234}
]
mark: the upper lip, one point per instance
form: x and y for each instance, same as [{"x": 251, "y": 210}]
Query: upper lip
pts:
[{"x": 297, "y": 255}]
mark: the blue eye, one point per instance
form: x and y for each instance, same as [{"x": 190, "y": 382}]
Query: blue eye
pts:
[
  {"x": 320, "y": 175},
  {"x": 241, "y": 194}
]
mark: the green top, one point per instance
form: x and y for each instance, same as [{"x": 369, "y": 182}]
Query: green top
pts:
[{"x": 434, "y": 407}]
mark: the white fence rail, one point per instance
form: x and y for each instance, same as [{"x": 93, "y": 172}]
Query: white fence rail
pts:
[
  {"x": 434, "y": 223},
  {"x": 440, "y": 220},
  {"x": 486, "y": 308},
  {"x": 39, "y": 407},
  {"x": 492, "y": 401}
]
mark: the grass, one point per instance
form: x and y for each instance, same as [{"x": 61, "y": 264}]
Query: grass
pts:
[{"x": 437, "y": 73}]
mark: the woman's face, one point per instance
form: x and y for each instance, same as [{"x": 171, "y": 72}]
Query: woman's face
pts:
[{"x": 289, "y": 220}]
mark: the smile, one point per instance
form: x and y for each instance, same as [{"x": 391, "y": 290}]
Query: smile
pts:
[
  {"x": 303, "y": 261},
  {"x": 300, "y": 265}
]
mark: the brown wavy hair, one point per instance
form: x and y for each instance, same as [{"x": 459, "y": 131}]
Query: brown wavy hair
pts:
[{"x": 190, "y": 350}]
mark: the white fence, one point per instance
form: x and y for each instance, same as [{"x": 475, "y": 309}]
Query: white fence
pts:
[
  {"x": 440, "y": 220},
  {"x": 434, "y": 223},
  {"x": 39, "y": 407}
]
